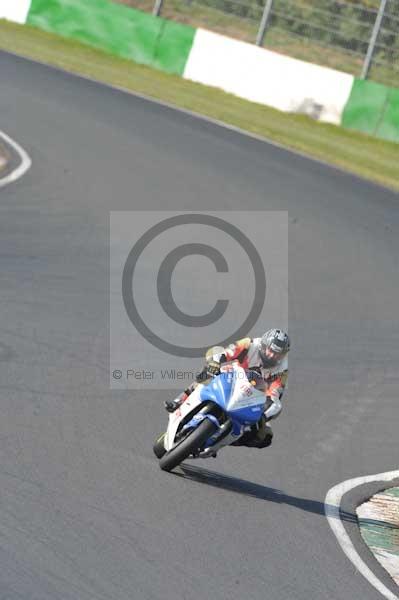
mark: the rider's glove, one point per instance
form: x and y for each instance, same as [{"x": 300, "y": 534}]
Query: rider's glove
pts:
[
  {"x": 202, "y": 375},
  {"x": 213, "y": 368}
]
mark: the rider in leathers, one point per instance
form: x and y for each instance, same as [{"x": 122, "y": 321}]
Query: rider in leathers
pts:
[{"x": 268, "y": 356}]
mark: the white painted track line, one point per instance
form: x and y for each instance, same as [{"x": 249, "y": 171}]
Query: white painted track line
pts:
[
  {"x": 332, "y": 505},
  {"x": 24, "y": 165}
]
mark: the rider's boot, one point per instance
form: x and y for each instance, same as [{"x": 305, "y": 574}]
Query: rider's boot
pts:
[{"x": 260, "y": 436}]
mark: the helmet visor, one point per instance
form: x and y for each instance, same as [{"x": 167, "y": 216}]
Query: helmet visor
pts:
[{"x": 271, "y": 358}]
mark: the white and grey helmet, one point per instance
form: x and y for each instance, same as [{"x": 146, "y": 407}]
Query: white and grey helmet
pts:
[{"x": 274, "y": 345}]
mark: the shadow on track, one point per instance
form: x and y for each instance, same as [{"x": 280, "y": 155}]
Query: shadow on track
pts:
[{"x": 255, "y": 490}]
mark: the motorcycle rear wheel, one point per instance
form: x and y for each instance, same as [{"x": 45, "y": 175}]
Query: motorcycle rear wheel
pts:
[{"x": 190, "y": 444}]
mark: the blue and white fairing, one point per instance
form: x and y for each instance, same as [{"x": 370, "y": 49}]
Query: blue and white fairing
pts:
[{"x": 234, "y": 393}]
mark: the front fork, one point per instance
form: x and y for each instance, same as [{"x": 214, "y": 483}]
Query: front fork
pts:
[
  {"x": 225, "y": 437},
  {"x": 199, "y": 417}
]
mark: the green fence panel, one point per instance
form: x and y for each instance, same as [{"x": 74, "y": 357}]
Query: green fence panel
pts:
[
  {"x": 174, "y": 47},
  {"x": 389, "y": 126},
  {"x": 117, "y": 29},
  {"x": 365, "y": 106}
]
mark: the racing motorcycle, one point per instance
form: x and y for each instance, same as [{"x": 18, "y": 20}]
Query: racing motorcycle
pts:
[{"x": 216, "y": 414}]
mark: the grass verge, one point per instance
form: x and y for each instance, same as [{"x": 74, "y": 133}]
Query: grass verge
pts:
[{"x": 369, "y": 157}]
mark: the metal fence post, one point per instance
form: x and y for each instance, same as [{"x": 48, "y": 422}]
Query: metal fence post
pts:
[
  {"x": 373, "y": 40},
  {"x": 264, "y": 22},
  {"x": 156, "y": 11}
]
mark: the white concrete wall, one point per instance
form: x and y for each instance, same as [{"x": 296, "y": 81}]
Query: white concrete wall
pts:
[
  {"x": 267, "y": 77},
  {"x": 14, "y": 10}
]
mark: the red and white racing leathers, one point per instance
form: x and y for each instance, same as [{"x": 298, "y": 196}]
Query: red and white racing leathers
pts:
[{"x": 246, "y": 352}]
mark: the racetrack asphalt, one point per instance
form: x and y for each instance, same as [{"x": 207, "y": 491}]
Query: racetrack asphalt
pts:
[{"x": 85, "y": 511}]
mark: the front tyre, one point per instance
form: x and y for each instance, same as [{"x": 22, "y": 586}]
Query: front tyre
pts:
[
  {"x": 190, "y": 444},
  {"x": 159, "y": 446}
]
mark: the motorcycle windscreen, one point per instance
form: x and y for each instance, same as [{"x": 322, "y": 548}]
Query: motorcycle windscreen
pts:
[{"x": 219, "y": 390}]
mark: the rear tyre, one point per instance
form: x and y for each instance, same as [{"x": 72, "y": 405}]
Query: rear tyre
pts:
[
  {"x": 190, "y": 444},
  {"x": 158, "y": 447}
]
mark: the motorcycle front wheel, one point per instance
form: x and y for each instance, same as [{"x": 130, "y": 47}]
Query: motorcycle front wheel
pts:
[
  {"x": 190, "y": 444},
  {"x": 159, "y": 447}
]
